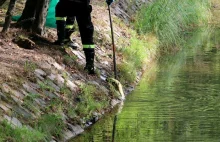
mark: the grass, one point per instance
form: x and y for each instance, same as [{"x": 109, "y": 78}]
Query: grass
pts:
[
  {"x": 167, "y": 19},
  {"x": 135, "y": 56},
  {"x": 50, "y": 125},
  {"x": 45, "y": 85},
  {"x": 91, "y": 99},
  {"x": 19, "y": 134}
]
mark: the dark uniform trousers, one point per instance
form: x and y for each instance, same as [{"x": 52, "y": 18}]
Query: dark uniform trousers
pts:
[{"x": 81, "y": 11}]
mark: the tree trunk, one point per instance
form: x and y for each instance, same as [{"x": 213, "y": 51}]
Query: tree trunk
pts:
[
  {"x": 41, "y": 13},
  {"x": 8, "y": 16},
  {"x": 34, "y": 15},
  {"x": 2, "y": 2},
  {"x": 28, "y": 15}
]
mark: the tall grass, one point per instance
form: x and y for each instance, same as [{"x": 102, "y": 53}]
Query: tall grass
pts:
[
  {"x": 135, "y": 56},
  {"x": 91, "y": 99},
  {"x": 168, "y": 18},
  {"x": 19, "y": 134}
]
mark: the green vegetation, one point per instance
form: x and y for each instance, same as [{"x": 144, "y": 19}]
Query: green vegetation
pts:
[
  {"x": 91, "y": 99},
  {"x": 51, "y": 125},
  {"x": 19, "y": 134},
  {"x": 167, "y": 19},
  {"x": 164, "y": 21},
  {"x": 136, "y": 56}
]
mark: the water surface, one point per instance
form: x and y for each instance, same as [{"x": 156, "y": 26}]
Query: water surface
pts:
[{"x": 178, "y": 99}]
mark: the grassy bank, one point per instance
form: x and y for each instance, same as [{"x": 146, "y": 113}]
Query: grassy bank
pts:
[
  {"x": 168, "y": 19},
  {"x": 160, "y": 24},
  {"x": 67, "y": 94}
]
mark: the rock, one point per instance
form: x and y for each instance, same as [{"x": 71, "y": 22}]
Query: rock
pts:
[
  {"x": 3, "y": 97},
  {"x": 23, "y": 112},
  {"x": 49, "y": 94},
  {"x": 40, "y": 102},
  {"x": 60, "y": 80},
  {"x": 44, "y": 65},
  {"x": 68, "y": 135},
  {"x": 77, "y": 129},
  {"x": 15, "y": 95},
  {"x": 23, "y": 92},
  {"x": 6, "y": 88},
  {"x": 79, "y": 82},
  {"x": 103, "y": 77},
  {"x": 27, "y": 86},
  {"x": 13, "y": 121},
  {"x": 71, "y": 85},
  {"x": 57, "y": 88},
  {"x": 4, "y": 106},
  {"x": 57, "y": 66},
  {"x": 40, "y": 74},
  {"x": 105, "y": 63},
  {"x": 18, "y": 94},
  {"x": 114, "y": 102},
  {"x": 52, "y": 77},
  {"x": 76, "y": 53}
]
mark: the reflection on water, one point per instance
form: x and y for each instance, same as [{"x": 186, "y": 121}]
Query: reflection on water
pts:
[{"x": 177, "y": 101}]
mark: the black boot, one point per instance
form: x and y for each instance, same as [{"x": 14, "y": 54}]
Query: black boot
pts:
[
  {"x": 89, "y": 54},
  {"x": 60, "y": 32}
]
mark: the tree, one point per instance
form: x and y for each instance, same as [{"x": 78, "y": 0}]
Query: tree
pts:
[
  {"x": 34, "y": 16},
  {"x": 8, "y": 14}
]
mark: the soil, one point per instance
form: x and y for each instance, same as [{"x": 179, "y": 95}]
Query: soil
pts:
[{"x": 14, "y": 56}]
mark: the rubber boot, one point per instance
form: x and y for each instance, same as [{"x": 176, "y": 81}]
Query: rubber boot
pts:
[
  {"x": 60, "y": 32},
  {"x": 89, "y": 54}
]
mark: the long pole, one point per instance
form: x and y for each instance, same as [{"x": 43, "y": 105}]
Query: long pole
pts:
[
  {"x": 114, "y": 127},
  {"x": 113, "y": 43}
]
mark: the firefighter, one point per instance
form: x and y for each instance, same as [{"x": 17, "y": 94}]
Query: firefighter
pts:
[{"x": 81, "y": 11}]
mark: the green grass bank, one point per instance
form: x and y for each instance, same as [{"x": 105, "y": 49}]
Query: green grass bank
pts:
[
  {"x": 168, "y": 19},
  {"x": 157, "y": 26},
  {"x": 160, "y": 27}
]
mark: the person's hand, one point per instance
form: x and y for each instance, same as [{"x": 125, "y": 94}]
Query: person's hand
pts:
[{"x": 109, "y": 2}]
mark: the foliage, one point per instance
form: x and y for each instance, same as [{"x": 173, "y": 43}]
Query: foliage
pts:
[
  {"x": 29, "y": 67},
  {"x": 92, "y": 99},
  {"x": 51, "y": 125},
  {"x": 168, "y": 18},
  {"x": 19, "y": 134},
  {"x": 135, "y": 56},
  {"x": 127, "y": 72}
]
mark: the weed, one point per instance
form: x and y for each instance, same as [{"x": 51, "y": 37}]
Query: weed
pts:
[
  {"x": 168, "y": 18},
  {"x": 134, "y": 58},
  {"x": 19, "y": 134},
  {"x": 70, "y": 60},
  {"x": 46, "y": 85},
  {"x": 66, "y": 91},
  {"x": 29, "y": 69},
  {"x": 51, "y": 125},
  {"x": 92, "y": 99},
  {"x": 127, "y": 72}
]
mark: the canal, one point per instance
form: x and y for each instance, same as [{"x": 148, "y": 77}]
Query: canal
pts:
[{"x": 177, "y": 100}]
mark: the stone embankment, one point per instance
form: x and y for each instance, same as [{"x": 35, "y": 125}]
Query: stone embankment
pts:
[{"x": 46, "y": 80}]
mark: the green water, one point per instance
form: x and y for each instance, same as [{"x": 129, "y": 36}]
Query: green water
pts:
[{"x": 178, "y": 99}]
